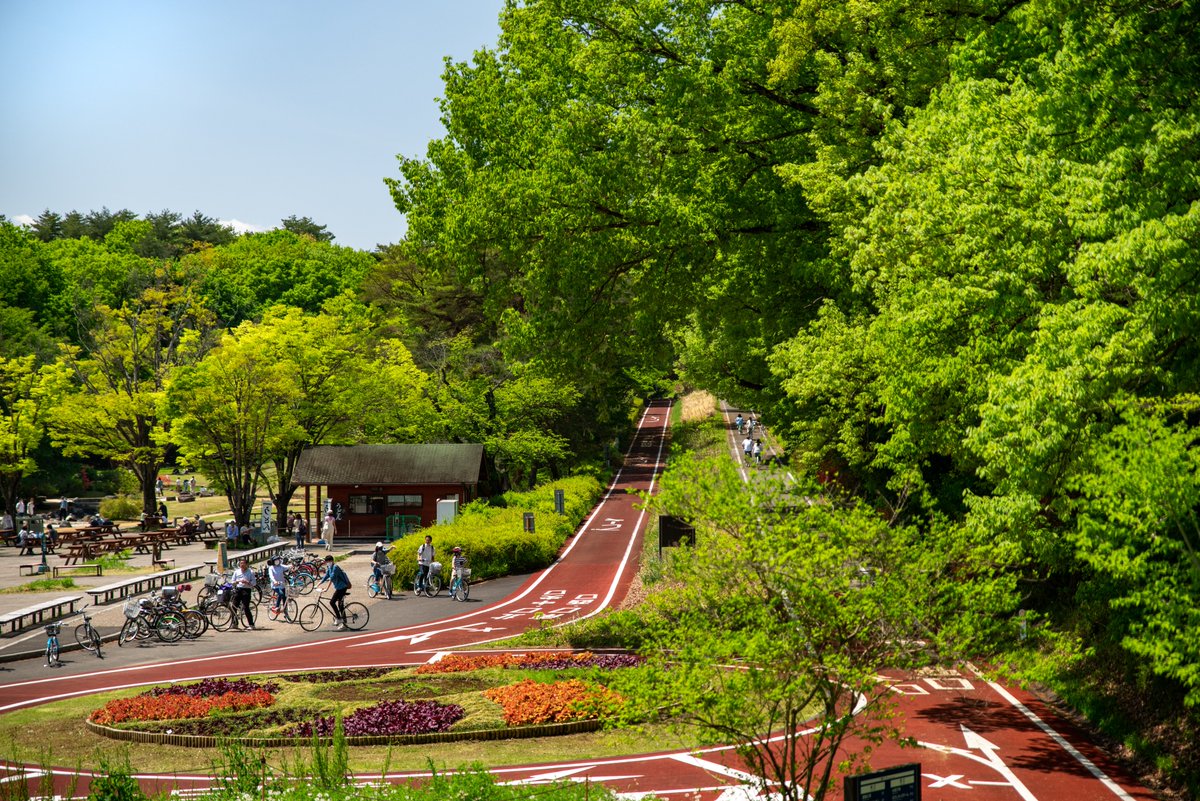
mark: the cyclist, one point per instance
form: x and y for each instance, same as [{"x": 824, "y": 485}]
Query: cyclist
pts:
[
  {"x": 341, "y": 585},
  {"x": 378, "y": 560},
  {"x": 424, "y": 559},
  {"x": 460, "y": 561},
  {"x": 278, "y": 583}
]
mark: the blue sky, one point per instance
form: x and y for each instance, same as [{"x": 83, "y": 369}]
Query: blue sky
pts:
[{"x": 247, "y": 111}]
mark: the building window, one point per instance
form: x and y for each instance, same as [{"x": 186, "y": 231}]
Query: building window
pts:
[
  {"x": 366, "y": 505},
  {"x": 404, "y": 500}
]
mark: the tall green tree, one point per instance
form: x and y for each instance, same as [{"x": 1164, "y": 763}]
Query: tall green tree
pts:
[
  {"x": 784, "y": 617},
  {"x": 120, "y": 371},
  {"x": 339, "y": 370},
  {"x": 225, "y": 412},
  {"x": 28, "y": 396}
]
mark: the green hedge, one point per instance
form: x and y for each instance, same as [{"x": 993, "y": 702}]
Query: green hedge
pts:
[
  {"x": 492, "y": 532},
  {"x": 122, "y": 507}
]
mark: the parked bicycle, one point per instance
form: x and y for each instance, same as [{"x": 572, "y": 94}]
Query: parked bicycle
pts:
[
  {"x": 152, "y": 617},
  {"x": 52, "y": 630},
  {"x": 87, "y": 636},
  {"x": 312, "y": 616}
]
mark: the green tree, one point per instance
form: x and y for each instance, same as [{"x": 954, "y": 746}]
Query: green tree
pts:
[
  {"x": 120, "y": 371},
  {"x": 239, "y": 281},
  {"x": 338, "y": 370},
  {"x": 306, "y": 227},
  {"x": 225, "y": 414},
  {"x": 783, "y": 619},
  {"x": 27, "y": 398},
  {"x": 199, "y": 230}
]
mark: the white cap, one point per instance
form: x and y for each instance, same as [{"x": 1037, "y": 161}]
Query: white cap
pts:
[{"x": 379, "y": 545}]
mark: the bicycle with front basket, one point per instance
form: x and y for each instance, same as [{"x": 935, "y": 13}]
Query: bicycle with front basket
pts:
[{"x": 52, "y": 630}]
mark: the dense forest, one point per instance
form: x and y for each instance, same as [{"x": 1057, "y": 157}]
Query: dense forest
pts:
[{"x": 947, "y": 248}]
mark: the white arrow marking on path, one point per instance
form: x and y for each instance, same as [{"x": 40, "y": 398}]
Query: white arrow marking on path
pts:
[{"x": 990, "y": 758}]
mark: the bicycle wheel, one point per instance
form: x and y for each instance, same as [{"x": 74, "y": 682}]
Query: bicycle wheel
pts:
[
  {"x": 169, "y": 627},
  {"x": 194, "y": 624},
  {"x": 461, "y": 589},
  {"x": 417, "y": 588},
  {"x": 220, "y": 617},
  {"x": 356, "y": 616},
  {"x": 434, "y": 586},
  {"x": 291, "y": 610},
  {"x": 373, "y": 588},
  {"x": 52, "y": 652},
  {"x": 256, "y": 594},
  {"x": 312, "y": 616},
  {"x": 302, "y": 583},
  {"x": 387, "y": 585},
  {"x": 203, "y": 595},
  {"x": 128, "y": 632},
  {"x": 87, "y": 637},
  {"x": 144, "y": 629}
]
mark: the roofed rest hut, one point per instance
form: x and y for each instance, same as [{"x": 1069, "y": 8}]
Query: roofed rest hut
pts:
[{"x": 383, "y": 488}]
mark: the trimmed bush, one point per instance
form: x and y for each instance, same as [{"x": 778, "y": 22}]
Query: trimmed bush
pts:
[
  {"x": 123, "y": 507},
  {"x": 493, "y": 534}
]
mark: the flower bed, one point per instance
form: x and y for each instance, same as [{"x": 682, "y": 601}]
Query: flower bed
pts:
[
  {"x": 548, "y": 660},
  {"x": 530, "y": 702},
  {"x": 176, "y": 706},
  {"x": 388, "y": 717},
  {"x": 374, "y": 707}
]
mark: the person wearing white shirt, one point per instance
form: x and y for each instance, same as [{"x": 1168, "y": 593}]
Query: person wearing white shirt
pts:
[{"x": 243, "y": 583}]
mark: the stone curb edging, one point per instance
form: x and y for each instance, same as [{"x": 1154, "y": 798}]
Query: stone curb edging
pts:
[{"x": 205, "y": 741}]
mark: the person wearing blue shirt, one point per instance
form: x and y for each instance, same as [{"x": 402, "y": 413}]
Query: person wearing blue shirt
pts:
[{"x": 335, "y": 576}]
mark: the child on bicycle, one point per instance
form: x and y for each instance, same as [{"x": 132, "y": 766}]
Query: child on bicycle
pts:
[
  {"x": 460, "y": 561},
  {"x": 380, "y": 563}
]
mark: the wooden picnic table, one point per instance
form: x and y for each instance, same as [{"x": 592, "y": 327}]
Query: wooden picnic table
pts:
[{"x": 77, "y": 552}]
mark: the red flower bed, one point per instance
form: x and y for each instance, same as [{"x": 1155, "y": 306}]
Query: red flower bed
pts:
[
  {"x": 175, "y": 706},
  {"x": 528, "y": 702}
]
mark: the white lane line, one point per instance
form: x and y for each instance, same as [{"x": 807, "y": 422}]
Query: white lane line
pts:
[{"x": 1090, "y": 766}]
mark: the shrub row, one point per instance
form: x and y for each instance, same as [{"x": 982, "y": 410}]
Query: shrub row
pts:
[{"x": 493, "y": 535}]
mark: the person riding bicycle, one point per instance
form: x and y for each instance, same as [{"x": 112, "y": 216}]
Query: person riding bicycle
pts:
[
  {"x": 341, "y": 585},
  {"x": 460, "y": 561},
  {"x": 379, "y": 560},
  {"x": 425, "y": 556},
  {"x": 278, "y": 573}
]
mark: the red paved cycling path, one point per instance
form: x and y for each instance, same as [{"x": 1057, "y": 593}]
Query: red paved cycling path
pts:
[{"x": 979, "y": 741}]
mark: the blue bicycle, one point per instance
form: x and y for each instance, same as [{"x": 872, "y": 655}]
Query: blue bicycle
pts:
[{"x": 52, "y": 630}]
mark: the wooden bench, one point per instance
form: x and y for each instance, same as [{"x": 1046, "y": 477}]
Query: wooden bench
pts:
[
  {"x": 163, "y": 564},
  {"x": 29, "y": 570},
  {"x": 78, "y": 570},
  {"x": 31, "y": 616},
  {"x": 260, "y": 554},
  {"x": 138, "y": 585}
]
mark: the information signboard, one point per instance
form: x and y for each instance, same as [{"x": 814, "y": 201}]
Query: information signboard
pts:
[{"x": 901, "y": 783}]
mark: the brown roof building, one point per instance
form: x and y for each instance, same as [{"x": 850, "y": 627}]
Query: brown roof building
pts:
[{"x": 383, "y": 490}]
